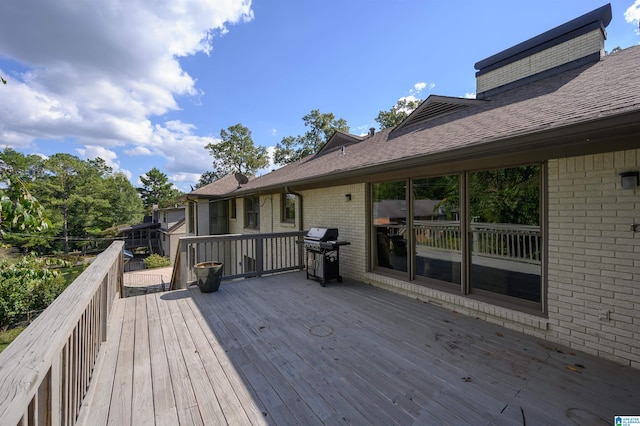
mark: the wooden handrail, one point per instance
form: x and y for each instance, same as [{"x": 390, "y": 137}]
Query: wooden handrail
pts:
[
  {"x": 45, "y": 372},
  {"x": 244, "y": 255}
]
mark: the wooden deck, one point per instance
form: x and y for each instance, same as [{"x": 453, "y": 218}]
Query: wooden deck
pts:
[{"x": 284, "y": 350}]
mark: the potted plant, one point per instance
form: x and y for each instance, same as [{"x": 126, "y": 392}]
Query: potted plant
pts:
[{"x": 209, "y": 275}]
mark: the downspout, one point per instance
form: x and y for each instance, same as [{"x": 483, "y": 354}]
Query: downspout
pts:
[{"x": 299, "y": 196}]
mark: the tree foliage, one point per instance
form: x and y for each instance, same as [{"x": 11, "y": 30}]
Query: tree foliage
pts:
[
  {"x": 397, "y": 113},
  {"x": 80, "y": 198},
  {"x": 26, "y": 286},
  {"x": 236, "y": 153},
  {"x": 157, "y": 190},
  {"x": 19, "y": 210},
  {"x": 156, "y": 261},
  {"x": 206, "y": 178},
  {"x": 321, "y": 128},
  {"x": 510, "y": 195}
]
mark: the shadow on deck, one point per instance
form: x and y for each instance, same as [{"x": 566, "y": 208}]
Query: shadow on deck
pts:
[{"x": 284, "y": 350}]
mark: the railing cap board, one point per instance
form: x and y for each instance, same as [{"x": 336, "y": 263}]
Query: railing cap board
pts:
[
  {"x": 26, "y": 361},
  {"x": 231, "y": 237}
]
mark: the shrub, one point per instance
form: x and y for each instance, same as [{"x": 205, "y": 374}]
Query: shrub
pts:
[
  {"x": 27, "y": 286},
  {"x": 156, "y": 261}
]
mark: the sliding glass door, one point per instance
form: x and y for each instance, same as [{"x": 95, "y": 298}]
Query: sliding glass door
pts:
[
  {"x": 436, "y": 228},
  {"x": 504, "y": 232},
  {"x": 390, "y": 225},
  {"x": 418, "y": 231}
]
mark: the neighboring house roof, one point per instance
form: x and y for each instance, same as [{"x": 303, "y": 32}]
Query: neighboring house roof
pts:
[
  {"x": 579, "y": 107},
  {"x": 139, "y": 226},
  {"x": 174, "y": 228},
  {"x": 169, "y": 209}
]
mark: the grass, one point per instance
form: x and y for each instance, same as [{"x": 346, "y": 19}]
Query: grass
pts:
[
  {"x": 72, "y": 273},
  {"x": 8, "y": 336}
]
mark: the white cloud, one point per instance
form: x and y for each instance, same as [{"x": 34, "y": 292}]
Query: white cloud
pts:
[
  {"x": 138, "y": 151},
  {"x": 184, "y": 151},
  {"x": 91, "y": 152},
  {"x": 632, "y": 15},
  {"x": 98, "y": 71},
  {"x": 470, "y": 95},
  {"x": 418, "y": 87}
]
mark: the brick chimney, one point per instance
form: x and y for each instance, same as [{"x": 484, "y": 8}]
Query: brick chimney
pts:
[{"x": 571, "y": 45}]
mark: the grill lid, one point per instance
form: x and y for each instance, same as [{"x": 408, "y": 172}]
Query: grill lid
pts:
[{"x": 322, "y": 234}]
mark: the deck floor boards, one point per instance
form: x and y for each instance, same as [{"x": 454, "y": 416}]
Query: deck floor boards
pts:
[{"x": 284, "y": 350}]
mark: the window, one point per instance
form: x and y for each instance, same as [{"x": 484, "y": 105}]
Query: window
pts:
[
  {"x": 234, "y": 211},
  {"x": 288, "y": 208},
  {"x": 192, "y": 218},
  {"x": 489, "y": 244},
  {"x": 504, "y": 223},
  {"x": 252, "y": 212},
  {"x": 436, "y": 228},
  {"x": 218, "y": 223}
]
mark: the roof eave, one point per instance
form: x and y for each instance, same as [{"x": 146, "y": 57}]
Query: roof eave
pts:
[{"x": 613, "y": 133}]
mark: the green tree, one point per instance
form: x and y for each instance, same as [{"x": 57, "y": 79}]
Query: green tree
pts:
[
  {"x": 125, "y": 203},
  {"x": 321, "y": 128},
  {"x": 60, "y": 191},
  {"x": 397, "y": 113},
  {"x": 236, "y": 153},
  {"x": 157, "y": 190},
  {"x": 27, "y": 168},
  {"x": 19, "y": 210},
  {"x": 27, "y": 285},
  {"x": 510, "y": 195},
  {"x": 206, "y": 178}
]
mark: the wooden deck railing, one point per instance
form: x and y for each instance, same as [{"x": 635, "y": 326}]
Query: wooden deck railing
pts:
[
  {"x": 243, "y": 255},
  {"x": 46, "y": 371},
  {"x": 497, "y": 240}
]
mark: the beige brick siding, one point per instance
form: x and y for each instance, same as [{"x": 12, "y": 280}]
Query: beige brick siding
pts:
[
  {"x": 563, "y": 53},
  {"x": 328, "y": 208},
  {"x": 594, "y": 257}
]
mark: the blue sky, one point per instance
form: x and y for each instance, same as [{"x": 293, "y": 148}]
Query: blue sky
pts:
[{"x": 149, "y": 83}]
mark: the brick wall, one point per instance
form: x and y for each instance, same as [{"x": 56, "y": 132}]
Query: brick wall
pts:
[
  {"x": 562, "y": 53},
  {"x": 328, "y": 208},
  {"x": 594, "y": 257}
]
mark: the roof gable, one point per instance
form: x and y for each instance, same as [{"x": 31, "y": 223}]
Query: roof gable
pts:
[
  {"x": 337, "y": 140},
  {"x": 437, "y": 106}
]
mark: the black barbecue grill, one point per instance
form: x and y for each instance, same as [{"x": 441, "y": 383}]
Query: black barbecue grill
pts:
[{"x": 323, "y": 254}]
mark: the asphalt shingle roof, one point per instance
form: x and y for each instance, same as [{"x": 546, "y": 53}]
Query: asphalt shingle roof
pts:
[{"x": 605, "y": 89}]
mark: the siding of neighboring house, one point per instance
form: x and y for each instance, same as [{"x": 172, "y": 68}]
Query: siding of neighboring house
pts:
[
  {"x": 171, "y": 242},
  {"x": 203, "y": 218},
  {"x": 594, "y": 263}
]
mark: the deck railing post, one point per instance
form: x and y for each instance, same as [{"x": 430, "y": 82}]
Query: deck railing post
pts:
[{"x": 259, "y": 255}]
